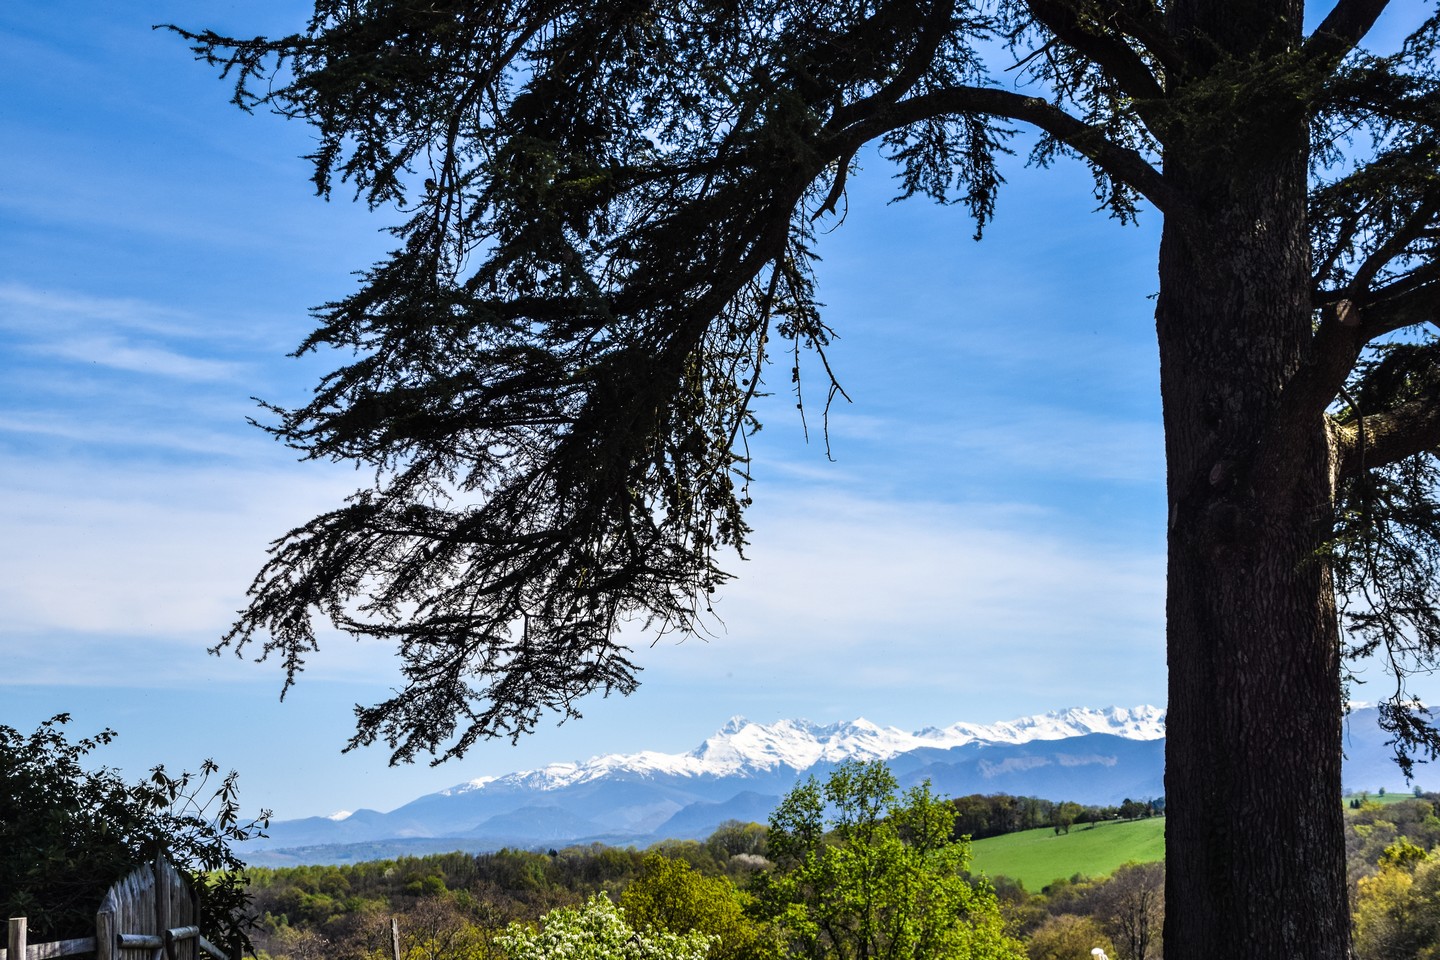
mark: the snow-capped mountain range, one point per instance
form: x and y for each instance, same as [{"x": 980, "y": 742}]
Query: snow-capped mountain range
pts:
[
  {"x": 1099, "y": 756},
  {"x": 741, "y": 771},
  {"x": 743, "y": 748}
]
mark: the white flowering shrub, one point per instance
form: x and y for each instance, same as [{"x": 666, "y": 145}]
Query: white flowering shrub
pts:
[{"x": 597, "y": 931}]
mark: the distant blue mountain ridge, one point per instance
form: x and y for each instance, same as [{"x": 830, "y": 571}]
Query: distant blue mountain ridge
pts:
[{"x": 1091, "y": 756}]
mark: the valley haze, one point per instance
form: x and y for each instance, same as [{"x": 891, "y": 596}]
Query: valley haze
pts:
[{"x": 1089, "y": 755}]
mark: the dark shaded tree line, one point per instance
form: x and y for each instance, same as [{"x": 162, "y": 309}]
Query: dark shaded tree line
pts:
[{"x": 979, "y": 816}]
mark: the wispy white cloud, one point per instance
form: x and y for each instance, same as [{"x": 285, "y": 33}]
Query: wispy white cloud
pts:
[
  {"x": 1052, "y": 440},
  {"x": 115, "y": 433},
  {"x": 930, "y": 600},
  {"x": 865, "y": 586},
  {"x": 119, "y": 334},
  {"x": 163, "y": 552},
  {"x": 853, "y": 563},
  {"x": 1024, "y": 440},
  {"x": 116, "y": 353},
  {"x": 22, "y": 307}
]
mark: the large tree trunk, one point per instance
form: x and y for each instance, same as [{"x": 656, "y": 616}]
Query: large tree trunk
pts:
[{"x": 1255, "y": 846}]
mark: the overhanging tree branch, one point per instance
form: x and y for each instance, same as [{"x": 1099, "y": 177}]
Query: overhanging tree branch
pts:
[
  {"x": 1395, "y": 246},
  {"x": 1410, "y": 306},
  {"x": 1145, "y": 21},
  {"x": 1344, "y": 331},
  {"x": 936, "y": 28},
  {"x": 1108, "y": 51},
  {"x": 1123, "y": 163},
  {"x": 1343, "y": 28},
  {"x": 1388, "y": 437}
]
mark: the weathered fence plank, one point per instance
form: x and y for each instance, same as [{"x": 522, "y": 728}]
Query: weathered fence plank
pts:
[
  {"x": 19, "y": 928},
  {"x": 60, "y": 948},
  {"x": 104, "y": 935},
  {"x": 18, "y": 945}
]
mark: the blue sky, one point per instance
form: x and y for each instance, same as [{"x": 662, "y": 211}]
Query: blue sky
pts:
[{"x": 988, "y": 542}]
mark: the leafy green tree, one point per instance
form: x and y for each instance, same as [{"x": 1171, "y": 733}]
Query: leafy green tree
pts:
[
  {"x": 736, "y": 839},
  {"x": 597, "y": 930},
  {"x": 1133, "y": 809},
  {"x": 1403, "y": 854},
  {"x": 1068, "y": 937},
  {"x": 608, "y": 219},
  {"x": 673, "y": 896},
  {"x": 1130, "y": 905},
  {"x": 879, "y": 878},
  {"x": 1396, "y": 915},
  {"x": 68, "y": 833},
  {"x": 1065, "y": 815}
]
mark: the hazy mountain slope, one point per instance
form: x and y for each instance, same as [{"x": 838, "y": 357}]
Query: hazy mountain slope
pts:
[
  {"x": 641, "y": 795},
  {"x": 1098, "y": 756}
]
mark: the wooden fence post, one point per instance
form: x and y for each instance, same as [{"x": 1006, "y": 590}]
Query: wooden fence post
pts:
[
  {"x": 395, "y": 937},
  {"x": 19, "y": 937},
  {"x": 105, "y": 935},
  {"x": 162, "y": 893}
]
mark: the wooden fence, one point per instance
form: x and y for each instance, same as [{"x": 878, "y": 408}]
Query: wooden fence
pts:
[
  {"x": 152, "y": 914},
  {"x": 19, "y": 947}
]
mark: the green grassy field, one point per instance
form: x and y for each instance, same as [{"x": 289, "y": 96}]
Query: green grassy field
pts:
[{"x": 1037, "y": 857}]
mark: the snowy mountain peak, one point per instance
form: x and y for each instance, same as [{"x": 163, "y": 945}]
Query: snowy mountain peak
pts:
[
  {"x": 734, "y": 724},
  {"x": 1133, "y": 723},
  {"x": 744, "y": 748}
]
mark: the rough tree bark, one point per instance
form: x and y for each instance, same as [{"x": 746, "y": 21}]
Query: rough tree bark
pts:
[{"x": 1255, "y": 827}]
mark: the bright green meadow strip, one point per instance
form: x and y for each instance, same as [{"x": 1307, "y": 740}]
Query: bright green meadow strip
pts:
[{"x": 1038, "y": 857}]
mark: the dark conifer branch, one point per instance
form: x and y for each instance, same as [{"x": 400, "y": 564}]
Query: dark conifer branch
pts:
[
  {"x": 1123, "y": 163},
  {"x": 1408, "y": 302},
  {"x": 1344, "y": 331},
  {"x": 937, "y": 26},
  {"x": 1334, "y": 350},
  {"x": 1110, "y": 52},
  {"x": 1343, "y": 28},
  {"x": 1396, "y": 245},
  {"x": 1381, "y": 439},
  {"x": 837, "y": 187},
  {"x": 1145, "y": 21},
  {"x": 1338, "y": 244}
]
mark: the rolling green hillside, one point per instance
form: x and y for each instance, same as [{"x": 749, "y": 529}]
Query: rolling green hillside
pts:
[{"x": 1037, "y": 857}]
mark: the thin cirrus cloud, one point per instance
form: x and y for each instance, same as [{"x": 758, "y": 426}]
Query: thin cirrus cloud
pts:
[
  {"x": 158, "y": 555},
  {"x": 834, "y": 571},
  {"x": 921, "y": 613},
  {"x": 117, "y": 353},
  {"x": 22, "y": 305},
  {"x": 121, "y": 434},
  {"x": 128, "y": 336},
  {"x": 1051, "y": 440},
  {"x": 1036, "y": 440}
]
